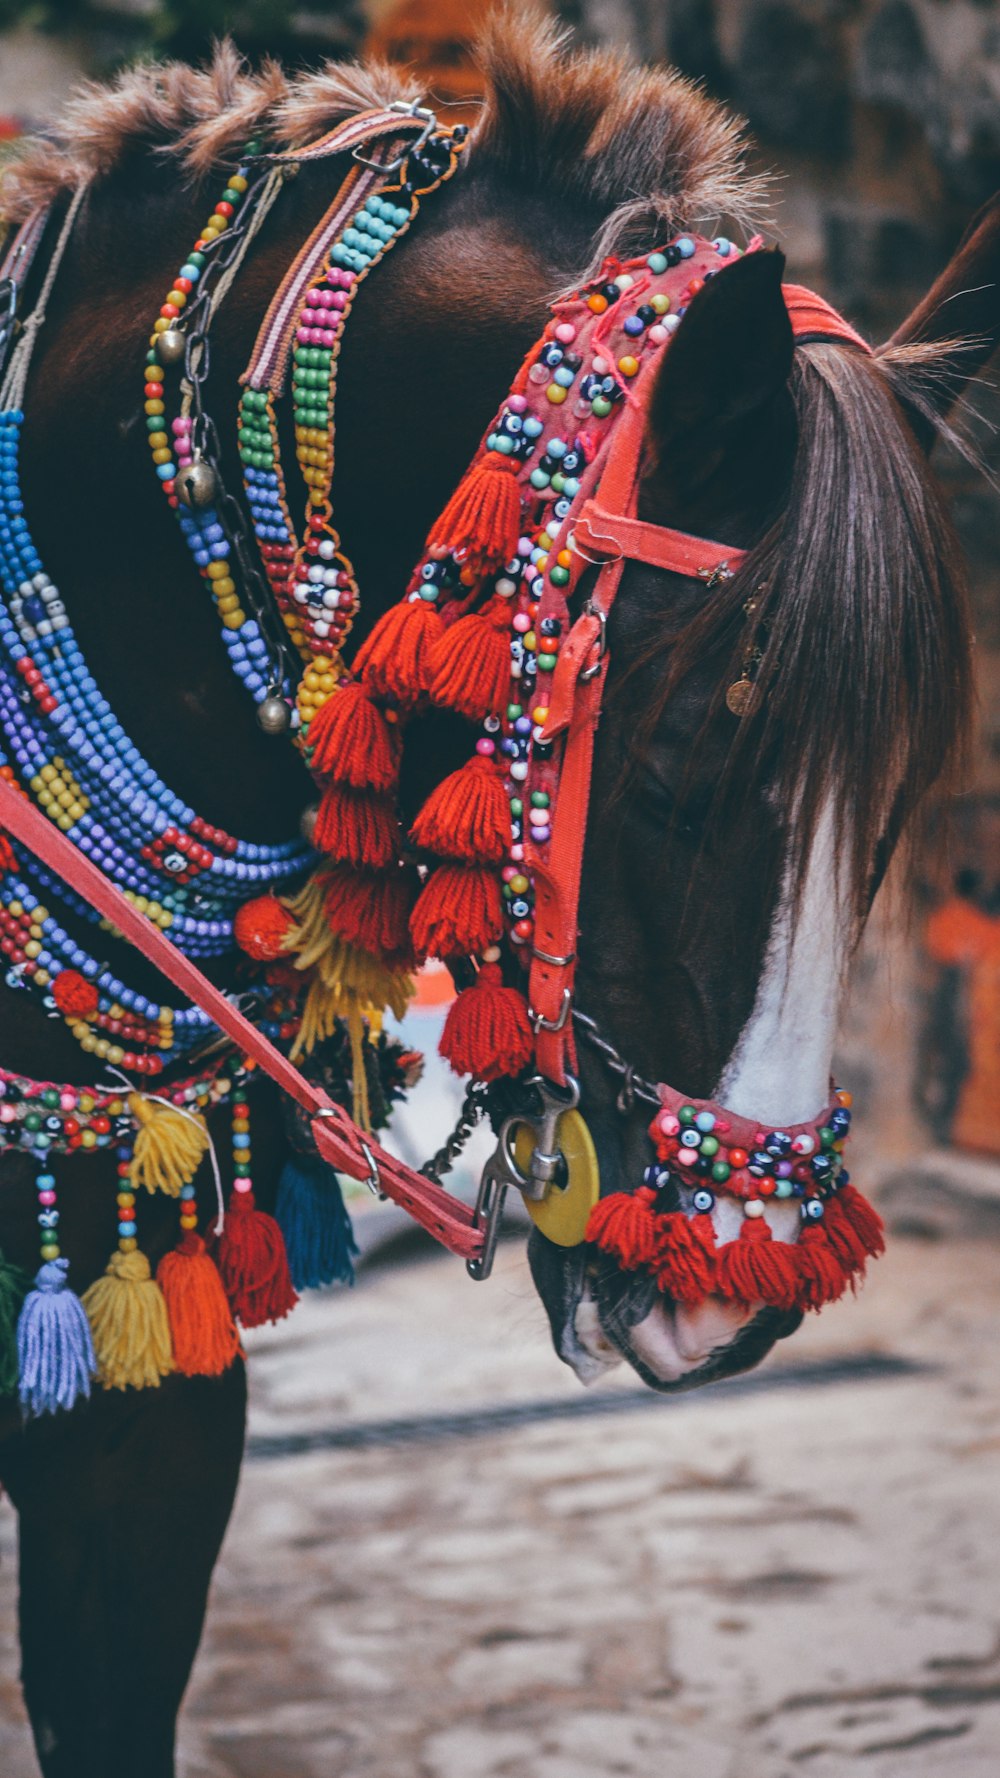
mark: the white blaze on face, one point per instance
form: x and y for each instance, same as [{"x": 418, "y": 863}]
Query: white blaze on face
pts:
[{"x": 779, "y": 1072}]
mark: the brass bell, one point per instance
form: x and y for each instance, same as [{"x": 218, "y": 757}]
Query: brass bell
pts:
[
  {"x": 307, "y": 823},
  {"x": 170, "y": 346},
  {"x": 195, "y": 485},
  {"x": 273, "y": 715}
]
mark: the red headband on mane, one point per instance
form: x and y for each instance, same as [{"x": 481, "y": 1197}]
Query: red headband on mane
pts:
[{"x": 812, "y": 318}]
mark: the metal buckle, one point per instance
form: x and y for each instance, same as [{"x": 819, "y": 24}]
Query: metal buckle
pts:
[
  {"x": 373, "y": 1182},
  {"x": 405, "y": 108},
  {"x": 717, "y": 575},
  {"x": 592, "y": 610},
  {"x": 502, "y": 1171},
  {"x": 557, "y": 962},
  {"x": 539, "y": 1022}
]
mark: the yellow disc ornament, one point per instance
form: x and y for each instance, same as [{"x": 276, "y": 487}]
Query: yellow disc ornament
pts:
[{"x": 562, "y": 1215}]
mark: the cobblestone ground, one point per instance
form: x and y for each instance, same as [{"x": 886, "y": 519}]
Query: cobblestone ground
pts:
[{"x": 431, "y": 1575}]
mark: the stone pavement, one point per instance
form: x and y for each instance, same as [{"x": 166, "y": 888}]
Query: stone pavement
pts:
[{"x": 433, "y": 1574}]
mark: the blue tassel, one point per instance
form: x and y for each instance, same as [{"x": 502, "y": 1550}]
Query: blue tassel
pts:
[
  {"x": 317, "y": 1229},
  {"x": 54, "y": 1348}
]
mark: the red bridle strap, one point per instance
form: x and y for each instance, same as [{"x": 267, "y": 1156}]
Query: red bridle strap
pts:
[{"x": 338, "y": 1140}]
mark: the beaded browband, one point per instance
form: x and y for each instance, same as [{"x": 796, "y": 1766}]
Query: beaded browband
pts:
[{"x": 490, "y": 871}]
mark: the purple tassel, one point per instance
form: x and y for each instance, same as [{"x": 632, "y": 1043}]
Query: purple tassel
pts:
[{"x": 54, "y": 1348}]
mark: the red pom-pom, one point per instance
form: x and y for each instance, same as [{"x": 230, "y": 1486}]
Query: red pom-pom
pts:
[
  {"x": 260, "y": 928},
  {"x": 470, "y": 662},
  {"x": 351, "y": 741},
  {"x": 357, "y": 827},
  {"x": 75, "y": 997},
  {"x": 467, "y": 816},
  {"x": 757, "y": 1268},
  {"x": 624, "y": 1225},
  {"x": 822, "y": 1278},
  {"x": 253, "y": 1264},
  {"x": 486, "y": 1033},
  {"x": 483, "y": 516},
  {"x": 458, "y": 914},
  {"x": 372, "y": 912},
  {"x": 685, "y": 1263},
  {"x": 394, "y": 661}
]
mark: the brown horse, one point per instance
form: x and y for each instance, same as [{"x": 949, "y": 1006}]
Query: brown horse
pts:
[{"x": 729, "y": 867}]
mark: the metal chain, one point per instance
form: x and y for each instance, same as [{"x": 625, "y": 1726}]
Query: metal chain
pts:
[
  {"x": 472, "y": 1113},
  {"x": 633, "y": 1085}
]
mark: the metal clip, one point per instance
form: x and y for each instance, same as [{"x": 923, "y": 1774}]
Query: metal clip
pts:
[
  {"x": 502, "y": 1171},
  {"x": 715, "y": 576},
  {"x": 406, "y": 108},
  {"x": 592, "y": 610}
]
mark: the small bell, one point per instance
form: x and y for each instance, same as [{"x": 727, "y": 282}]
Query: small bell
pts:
[
  {"x": 171, "y": 346},
  {"x": 195, "y": 485},
  {"x": 741, "y": 696},
  {"x": 273, "y": 715}
]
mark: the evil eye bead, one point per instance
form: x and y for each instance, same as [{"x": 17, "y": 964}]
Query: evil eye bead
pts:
[
  {"x": 822, "y": 1166},
  {"x": 759, "y": 1163},
  {"x": 690, "y": 1139},
  {"x": 840, "y": 1121},
  {"x": 778, "y": 1143},
  {"x": 703, "y": 1200},
  {"x": 812, "y": 1210},
  {"x": 803, "y": 1144}
]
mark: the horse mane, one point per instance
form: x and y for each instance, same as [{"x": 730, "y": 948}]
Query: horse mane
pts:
[
  {"x": 865, "y": 690},
  {"x": 644, "y": 149}
]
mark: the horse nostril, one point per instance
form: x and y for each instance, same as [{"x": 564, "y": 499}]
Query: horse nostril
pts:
[{"x": 701, "y": 1331}]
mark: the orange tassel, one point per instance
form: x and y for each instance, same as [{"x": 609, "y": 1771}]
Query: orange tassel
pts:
[
  {"x": 458, "y": 913},
  {"x": 686, "y": 1257},
  {"x": 357, "y": 827},
  {"x": 623, "y": 1224},
  {"x": 821, "y": 1276},
  {"x": 372, "y": 912},
  {"x": 394, "y": 661},
  {"x": 757, "y": 1268},
  {"x": 351, "y": 741},
  {"x": 470, "y": 662},
  {"x": 253, "y": 1264},
  {"x": 483, "y": 516},
  {"x": 486, "y": 1033},
  {"x": 467, "y": 816},
  {"x": 202, "y": 1331}
]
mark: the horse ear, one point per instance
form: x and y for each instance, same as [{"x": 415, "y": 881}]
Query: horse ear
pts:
[
  {"x": 961, "y": 309},
  {"x": 726, "y": 364}
]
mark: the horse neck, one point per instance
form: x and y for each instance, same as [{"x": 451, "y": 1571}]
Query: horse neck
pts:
[{"x": 429, "y": 351}]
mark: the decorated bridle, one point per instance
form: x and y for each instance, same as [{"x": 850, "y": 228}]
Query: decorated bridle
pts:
[{"x": 487, "y": 628}]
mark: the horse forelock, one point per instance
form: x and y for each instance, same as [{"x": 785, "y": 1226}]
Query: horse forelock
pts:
[{"x": 643, "y": 151}]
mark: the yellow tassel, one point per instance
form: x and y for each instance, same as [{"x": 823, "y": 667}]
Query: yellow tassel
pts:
[
  {"x": 360, "y": 1108},
  {"x": 169, "y": 1145},
  {"x": 310, "y": 937},
  {"x": 128, "y": 1319}
]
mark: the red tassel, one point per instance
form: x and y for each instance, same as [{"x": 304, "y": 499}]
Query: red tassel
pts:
[
  {"x": 202, "y": 1330},
  {"x": 467, "y": 816},
  {"x": 623, "y": 1224},
  {"x": 357, "y": 827},
  {"x": 394, "y": 660},
  {"x": 372, "y": 912},
  {"x": 486, "y": 1033},
  {"x": 483, "y": 516},
  {"x": 821, "y": 1276},
  {"x": 459, "y": 912},
  {"x": 686, "y": 1257},
  {"x": 862, "y": 1218},
  {"x": 351, "y": 741},
  {"x": 7, "y": 859},
  {"x": 253, "y": 1264},
  {"x": 470, "y": 662},
  {"x": 757, "y": 1268}
]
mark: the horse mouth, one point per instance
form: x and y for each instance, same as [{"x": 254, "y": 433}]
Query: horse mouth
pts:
[{"x": 600, "y": 1315}]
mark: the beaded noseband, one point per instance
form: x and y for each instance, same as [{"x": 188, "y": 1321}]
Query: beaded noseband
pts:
[{"x": 485, "y": 629}]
